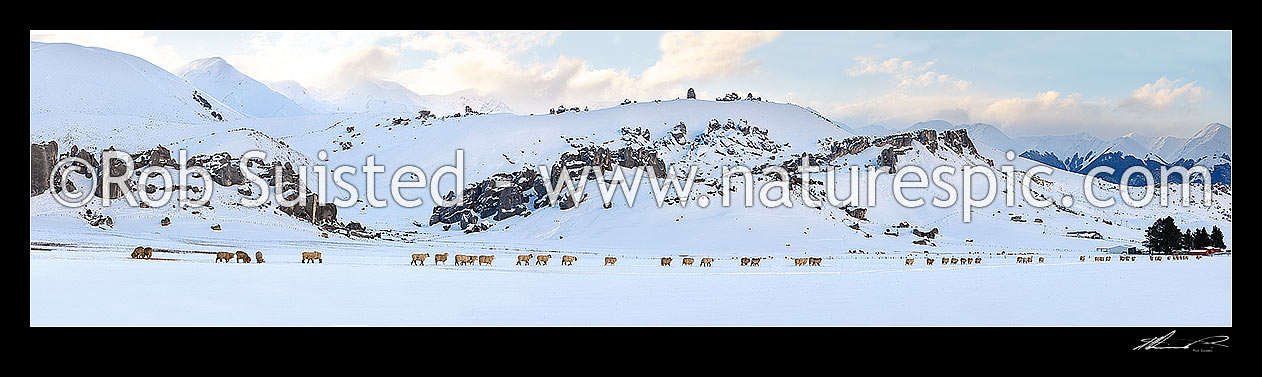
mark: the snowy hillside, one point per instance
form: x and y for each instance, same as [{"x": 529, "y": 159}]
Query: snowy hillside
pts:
[
  {"x": 1213, "y": 140},
  {"x": 71, "y": 81},
  {"x": 381, "y": 96},
  {"x": 222, "y": 81},
  {"x": 307, "y": 98},
  {"x": 448, "y": 104}
]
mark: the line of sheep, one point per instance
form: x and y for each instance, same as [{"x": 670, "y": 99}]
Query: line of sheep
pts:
[
  {"x": 946, "y": 261},
  {"x": 1131, "y": 258},
  {"x": 1028, "y": 259},
  {"x": 241, "y": 256}
]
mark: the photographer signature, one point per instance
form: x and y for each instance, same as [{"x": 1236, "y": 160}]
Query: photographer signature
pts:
[{"x": 1158, "y": 343}]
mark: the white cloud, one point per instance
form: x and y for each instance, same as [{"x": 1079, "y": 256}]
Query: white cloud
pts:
[
  {"x": 318, "y": 58},
  {"x": 710, "y": 54},
  {"x": 1163, "y": 94},
  {"x": 489, "y": 61},
  {"x": 1043, "y": 113},
  {"x": 906, "y": 72}
]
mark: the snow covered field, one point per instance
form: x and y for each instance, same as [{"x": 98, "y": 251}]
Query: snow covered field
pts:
[{"x": 96, "y": 285}]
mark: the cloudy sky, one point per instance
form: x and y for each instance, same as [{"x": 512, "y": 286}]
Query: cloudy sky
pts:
[{"x": 1107, "y": 83}]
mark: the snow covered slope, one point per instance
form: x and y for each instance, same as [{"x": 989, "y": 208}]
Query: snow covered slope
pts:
[
  {"x": 447, "y": 104},
  {"x": 72, "y": 81},
  {"x": 1213, "y": 140},
  {"x": 222, "y": 81},
  {"x": 307, "y": 98},
  {"x": 382, "y": 96}
]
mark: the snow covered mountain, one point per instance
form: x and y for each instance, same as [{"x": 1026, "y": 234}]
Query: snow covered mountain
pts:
[
  {"x": 1213, "y": 140},
  {"x": 377, "y": 96},
  {"x": 1081, "y": 152},
  {"x": 447, "y": 104},
  {"x": 307, "y": 98},
  {"x": 248, "y": 96},
  {"x": 69, "y": 81}
]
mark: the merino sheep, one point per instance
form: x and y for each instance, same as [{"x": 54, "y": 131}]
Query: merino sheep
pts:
[
  {"x": 440, "y": 258},
  {"x": 312, "y": 256},
  {"x": 800, "y": 261},
  {"x": 815, "y": 261},
  {"x": 1082, "y": 258},
  {"x": 258, "y": 256},
  {"x": 568, "y": 260},
  {"x": 223, "y": 256},
  {"x": 142, "y": 252},
  {"x": 666, "y": 261},
  {"x": 929, "y": 261},
  {"x": 705, "y": 262},
  {"x": 688, "y": 261},
  {"x": 485, "y": 259},
  {"x": 744, "y": 261},
  {"x": 419, "y": 258},
  {"x": 1040, "y": 259},
  {"x": 543, "y": 259},
  {"x": 610, "y": 261},
  {"x": 242, "y": 257},
  {"x": 977, "y": 260},
  {"x": 524, "y": 259},
  {"x": 754, "y": 261},
  {"x": 462, "y": 259},
  {"x": 909, "y": 261}
]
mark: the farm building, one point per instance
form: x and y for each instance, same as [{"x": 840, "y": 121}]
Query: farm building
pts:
[
  {"x": 1085, "y": 234},
  {"x": 1206, "y": 252},
  {"x": 1119, "y": 249}
]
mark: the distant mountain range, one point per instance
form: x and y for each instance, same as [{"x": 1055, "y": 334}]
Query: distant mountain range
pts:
[
  {"x": 1082, "y": 152},
  {"x": 257, "y": 99},
  {"x": 248, "y": 96}
]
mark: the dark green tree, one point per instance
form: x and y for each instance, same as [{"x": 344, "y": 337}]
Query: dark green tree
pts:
[
  {"x": 1163, "y": 236},
  {"x": 1200, "y": 239},
  {"x": 1216, "y": 238},
  {"x": 1187, "y": 241}
]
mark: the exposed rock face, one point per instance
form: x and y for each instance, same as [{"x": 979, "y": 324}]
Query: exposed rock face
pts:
[
  {"x": 858, "y": 213},
  {"x": 222, "y": 167},
  {"x": 117, "y": 168},
  {"x": 325, "y": 213},
  {"x": 158, "y": 156},
  {"x": 931, "y": 234},
  {"x": 43, "y": 158},
  {"x": 679, "y": 134},
  {"x": 958, "y": 141},
  {"x": 888, "y": 157},
  {"x": 86, "y": 156},
  {"x": 499, "y": 197}
]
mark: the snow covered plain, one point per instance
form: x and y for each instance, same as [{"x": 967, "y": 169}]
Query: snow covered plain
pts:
[
  {"x": 93, "y": 282},
  {"x": 107, "y": 288}
]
